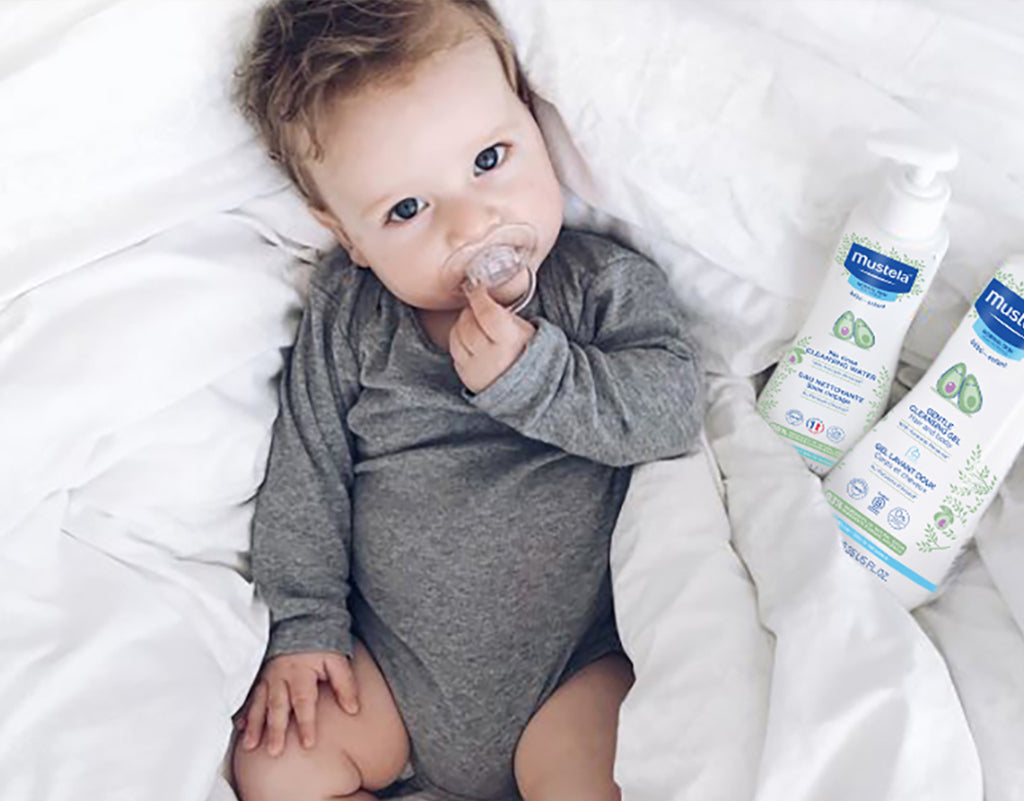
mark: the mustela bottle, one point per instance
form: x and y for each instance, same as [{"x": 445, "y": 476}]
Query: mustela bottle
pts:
[
  {"x": 908, "y": 496},
  {"x": 833, "y": 384}
]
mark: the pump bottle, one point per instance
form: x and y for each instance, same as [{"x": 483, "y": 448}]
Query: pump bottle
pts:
[
  {"x": 909, "y": 494},
  {"x": 832, "y": 385}
]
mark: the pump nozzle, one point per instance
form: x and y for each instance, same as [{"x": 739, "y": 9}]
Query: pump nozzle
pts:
[
  {"x": 913, "y": 197},
  {"x": 925, "y": 152}
]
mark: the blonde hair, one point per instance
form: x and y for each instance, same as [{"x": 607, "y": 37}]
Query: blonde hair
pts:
[{"x": 304, "y": 54}]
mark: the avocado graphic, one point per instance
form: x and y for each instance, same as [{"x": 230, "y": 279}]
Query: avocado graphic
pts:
[
  {"x": 944, "y": 517},
  {"x": 795, "y": 356},
  {"x": 863, "y": 335},
  {"x": 844, "y": 325},
  {"x": 970, "y": 396},
  {"x": 950, "y": 381}
]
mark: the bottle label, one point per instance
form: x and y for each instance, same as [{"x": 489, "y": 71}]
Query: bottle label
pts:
[
  {"x": 909, "y": 495},
  {"x": 878, "y": 276},
  {"x": 833, "y": 383},
  {"x": 1000, "y": 323}
]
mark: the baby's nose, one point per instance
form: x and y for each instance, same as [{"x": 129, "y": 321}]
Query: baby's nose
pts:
[{"x": 469, "y": 221}]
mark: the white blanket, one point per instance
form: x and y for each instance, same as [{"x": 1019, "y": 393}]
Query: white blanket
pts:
[
  {"x": 148, "y": 285},
  {"x": 138, "y": 393}
]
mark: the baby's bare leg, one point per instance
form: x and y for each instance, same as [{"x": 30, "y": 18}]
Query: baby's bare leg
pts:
[
  {"x": 567, "y": 751},
  {"x": 353, "y": 753}
]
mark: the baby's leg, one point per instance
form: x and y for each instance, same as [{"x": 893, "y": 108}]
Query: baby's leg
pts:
[
  {"x": 353, "y": 753},
  {"x": 567, "y": 750}
]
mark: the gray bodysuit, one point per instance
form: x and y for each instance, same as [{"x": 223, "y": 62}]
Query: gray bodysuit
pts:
[{"x": 465, "y": 538}]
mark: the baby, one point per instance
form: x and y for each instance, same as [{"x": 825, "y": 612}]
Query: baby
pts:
[{"x": 453, "y": 447}]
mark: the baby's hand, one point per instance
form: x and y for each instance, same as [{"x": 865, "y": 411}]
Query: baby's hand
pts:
[
  {"x": 290, "y": 682},
  {"x": 486, "y": 339}
]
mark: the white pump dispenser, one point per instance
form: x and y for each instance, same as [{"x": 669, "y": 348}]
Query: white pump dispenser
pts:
[
  {"x": 833, "y": 384},
  {"x": 914, "y": 195}
]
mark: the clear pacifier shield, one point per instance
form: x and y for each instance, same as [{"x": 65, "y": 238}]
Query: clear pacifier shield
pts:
[
  {"x": 494, "y": 266},
  {"x": 495, "y": 259}
]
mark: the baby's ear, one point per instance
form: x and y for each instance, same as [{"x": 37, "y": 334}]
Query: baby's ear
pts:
[{"x": 327, "y": 219}]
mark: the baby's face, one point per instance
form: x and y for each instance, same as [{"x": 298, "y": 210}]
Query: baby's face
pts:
[{"x": 413, "y": 171}]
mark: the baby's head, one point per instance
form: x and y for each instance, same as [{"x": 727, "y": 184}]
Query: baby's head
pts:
[{"x": 406, "y": 126}]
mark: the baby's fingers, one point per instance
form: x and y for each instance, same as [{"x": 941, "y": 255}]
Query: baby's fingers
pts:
[
  {"x": 303, "y": 693},
  {"x": 254, "y": 717},
  {"x": 279, "y": 710},
  {"x": 343, "y": 680}
]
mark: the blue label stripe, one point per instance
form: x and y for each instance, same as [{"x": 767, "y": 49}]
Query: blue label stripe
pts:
[
  {"x": 814, "y": 457},
  {"x": 1002, "y": 311},
  {"x": 877, "y": 552},
  {"x": 888, "y": 277},
  {"x": 870, "y": 291},
  {"x": 996, "y": 342}
]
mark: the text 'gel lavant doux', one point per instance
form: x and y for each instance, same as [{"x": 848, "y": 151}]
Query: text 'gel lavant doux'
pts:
[
  {"x": 908, "y": 496},
  {"x": 833, "y": 384}
]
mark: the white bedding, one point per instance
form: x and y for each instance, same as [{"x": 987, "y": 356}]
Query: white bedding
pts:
[{"x": 150, "y": 276}]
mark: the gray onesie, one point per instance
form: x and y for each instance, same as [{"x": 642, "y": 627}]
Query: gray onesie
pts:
[{"x": 464, "y": 538}]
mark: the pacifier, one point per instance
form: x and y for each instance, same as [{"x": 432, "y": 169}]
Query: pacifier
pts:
[{"x": 500, "y": 256}]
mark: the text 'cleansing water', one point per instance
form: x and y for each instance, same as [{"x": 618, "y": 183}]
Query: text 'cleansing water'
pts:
[{"x": 833, "y": 384}]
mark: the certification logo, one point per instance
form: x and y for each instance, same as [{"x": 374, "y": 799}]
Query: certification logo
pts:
[
  {"x": 835, "y": 434},
  {"x": 815, "y": 426},
  {"x": 899, "y": 518},
  {"x": 794, "y": 417},
  {"x": 878, "y": 503},
  {"x": 857, "y": 489}
]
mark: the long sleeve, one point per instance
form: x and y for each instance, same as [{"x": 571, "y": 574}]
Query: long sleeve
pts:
[
  {"x": 624, "y": 387},
  {"x": 302, "y": 524}
]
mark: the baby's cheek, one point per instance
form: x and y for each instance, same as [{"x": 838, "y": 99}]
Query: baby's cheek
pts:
[
  {"x": 551, "y": 203},
  {"x": 543, "y": 200}
]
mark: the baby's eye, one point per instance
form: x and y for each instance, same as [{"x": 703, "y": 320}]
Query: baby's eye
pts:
[
  {"x": 487, "y": 160},
  {"x": 406, "y": 209}
]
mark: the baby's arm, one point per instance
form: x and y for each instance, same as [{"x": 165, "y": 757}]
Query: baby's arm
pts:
[
  {"x": 625, "y": 387},
  {"x": 301, "y": 532},
  {"x": 301, "y": 528}
]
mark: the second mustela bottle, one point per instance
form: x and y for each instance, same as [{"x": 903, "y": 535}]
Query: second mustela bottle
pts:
[{"x": 833, "y": 383}]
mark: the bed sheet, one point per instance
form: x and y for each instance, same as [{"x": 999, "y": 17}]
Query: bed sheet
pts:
[
  {"x": 137, "y": 398},
  {"x": 117, "y": 126},
  {"x": 149, "y": 284}
]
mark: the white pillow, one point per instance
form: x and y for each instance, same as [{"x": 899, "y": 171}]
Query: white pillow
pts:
[
  {"x": 726, "y": 139},
  {"x": 117, "y": 126}
]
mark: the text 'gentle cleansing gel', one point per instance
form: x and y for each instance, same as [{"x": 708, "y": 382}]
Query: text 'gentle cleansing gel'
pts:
[{"x": 908, "y": 496}]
